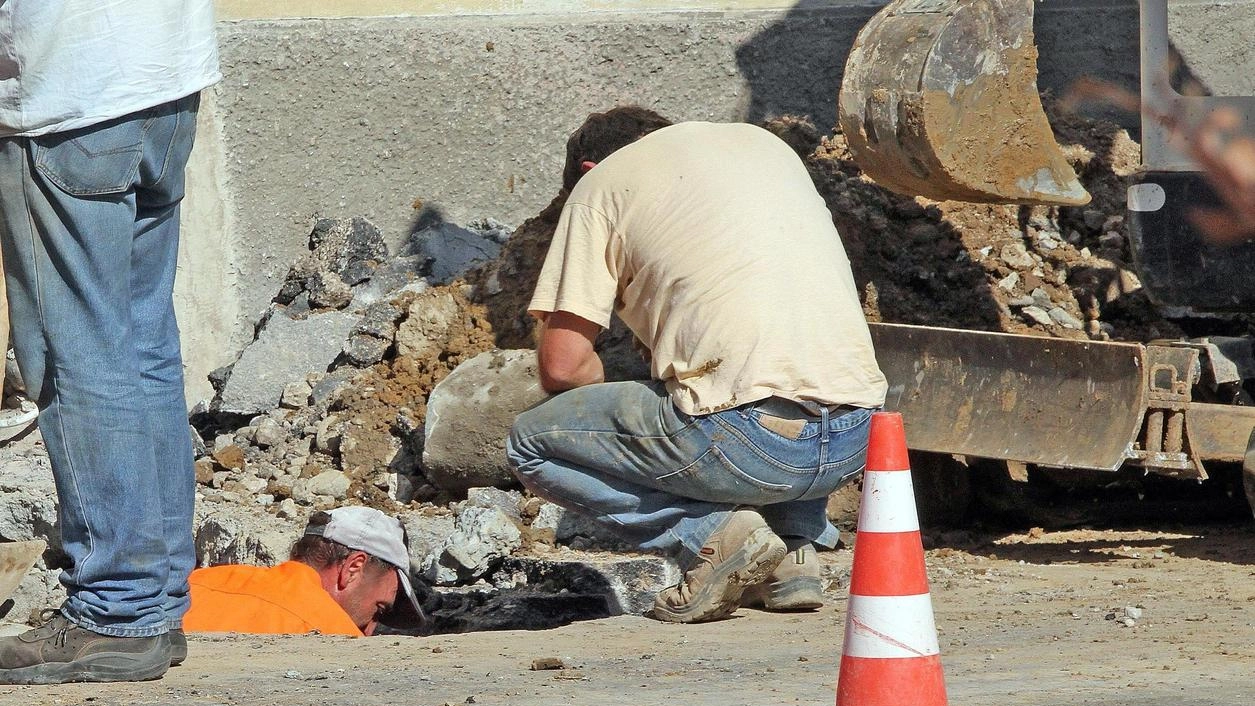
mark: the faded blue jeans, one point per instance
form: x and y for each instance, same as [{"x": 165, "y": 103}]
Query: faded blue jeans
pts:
[
  {"x": 89, "y": 221},
  {"x": 623, "y": 454}
]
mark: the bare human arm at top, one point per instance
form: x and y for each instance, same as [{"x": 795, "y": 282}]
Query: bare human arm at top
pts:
[{"x": 566, "y": 355}]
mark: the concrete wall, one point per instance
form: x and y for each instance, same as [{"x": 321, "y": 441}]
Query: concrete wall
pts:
[{"x": 469, "y": 112}]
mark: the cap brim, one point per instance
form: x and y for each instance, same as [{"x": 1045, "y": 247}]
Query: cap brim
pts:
[{"x": 409, "y": 591}]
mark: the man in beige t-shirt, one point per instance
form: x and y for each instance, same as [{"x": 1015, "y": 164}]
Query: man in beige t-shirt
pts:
[{"x": 711, "y": 243}]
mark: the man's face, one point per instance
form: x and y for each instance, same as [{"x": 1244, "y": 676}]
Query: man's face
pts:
[{"x": 368, "y": 596}]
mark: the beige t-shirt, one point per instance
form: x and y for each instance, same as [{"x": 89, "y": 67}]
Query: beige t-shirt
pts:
[{"x": 711, "y": 243}]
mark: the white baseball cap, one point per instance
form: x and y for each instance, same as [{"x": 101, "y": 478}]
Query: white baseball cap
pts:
[{"x": 379, "y": 535}]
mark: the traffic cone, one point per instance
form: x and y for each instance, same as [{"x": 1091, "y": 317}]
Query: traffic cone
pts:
[{"x": 890, "y": 656}]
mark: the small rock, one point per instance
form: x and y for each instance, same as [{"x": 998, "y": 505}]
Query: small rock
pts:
[
  {"x": 333, "y": 484},
  {"x": 230, "y": 457},
  {"x": 269, "y": 433},
  {"x": 1111, "y": 240},
  {"x": 1007, "y": 284},
  {"x": 1023, "y": 301},
  {"x": 204, "y": 471},
  {"x": 364, "y": 350},
  {"x": 1060, "y": 316},
  {"x": 252, "y": 485},
  {"x": 542, "y": 663},
  {"x": 1129, "y": 282},
  {"x": 327, "y": 290},
  {"x": 295, "y": 394},
  {"x": 1133, "y": 612},
  {"x": 287, "y": 509},
  {"x": 1037, "y": 315},
  {"x": 1042, "y": 298},
  {"x": 1016, "y": 256}
]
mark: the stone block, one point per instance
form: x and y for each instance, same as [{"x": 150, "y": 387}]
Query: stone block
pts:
[
  {"x": 469, "y": 415},
  {"x": 286, "y": 350}
]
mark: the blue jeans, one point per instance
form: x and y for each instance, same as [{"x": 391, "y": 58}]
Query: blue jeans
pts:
[
  {"x": 623, "y": 454},
  {"x": 89, "y": 221}
]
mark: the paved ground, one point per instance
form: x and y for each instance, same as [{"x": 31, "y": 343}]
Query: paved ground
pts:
[{"x": 1023, "y": 620}]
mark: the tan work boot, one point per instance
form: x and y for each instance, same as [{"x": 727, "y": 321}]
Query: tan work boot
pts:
[
  {"x": 741, "y": 553},
  {"x": 794, "y": 585}
]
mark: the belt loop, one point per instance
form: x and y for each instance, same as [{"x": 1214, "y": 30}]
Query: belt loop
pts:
[{"x": 823, "y": 439}]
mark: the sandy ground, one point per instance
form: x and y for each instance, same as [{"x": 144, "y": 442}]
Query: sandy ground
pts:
[{"x": 1022, "y": 619}]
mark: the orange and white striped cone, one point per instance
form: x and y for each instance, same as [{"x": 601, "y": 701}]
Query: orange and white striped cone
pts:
[{"x": 890, "y": 656}]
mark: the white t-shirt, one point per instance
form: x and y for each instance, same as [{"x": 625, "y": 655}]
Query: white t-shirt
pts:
[
  {"x": 67, "y": 64},
  {"x": 712, "y": 244}
]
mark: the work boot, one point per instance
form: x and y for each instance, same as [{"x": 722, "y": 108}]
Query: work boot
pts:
[
  {"x": 60, "y": 651},
  {"x": 741, "y": 553},
  {"x": 178, "y": 647},
  {"x": 794, "y": 585}
]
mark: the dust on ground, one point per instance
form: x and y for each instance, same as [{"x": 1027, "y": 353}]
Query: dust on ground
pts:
[{"x": 1045, "y": 616}]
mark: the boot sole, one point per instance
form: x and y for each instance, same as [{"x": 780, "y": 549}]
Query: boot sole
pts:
[
  {"x": 761, "y": 553},
  {"x": 796, "y": 593},
  {"x": 103, "y": 667}
]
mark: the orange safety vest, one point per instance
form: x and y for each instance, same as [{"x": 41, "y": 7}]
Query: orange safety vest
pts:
[{"x": 285, "y": 599}]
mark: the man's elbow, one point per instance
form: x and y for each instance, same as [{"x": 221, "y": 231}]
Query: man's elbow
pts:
[{"x": 558, "y": 378}]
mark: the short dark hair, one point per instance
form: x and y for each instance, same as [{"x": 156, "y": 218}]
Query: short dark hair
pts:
[
  {"x": 603, "y": 133},
  {"x": 320, "y": 552}
]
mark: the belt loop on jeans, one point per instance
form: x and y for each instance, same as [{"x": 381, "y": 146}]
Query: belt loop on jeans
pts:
[{"x": 823, "y": 440}]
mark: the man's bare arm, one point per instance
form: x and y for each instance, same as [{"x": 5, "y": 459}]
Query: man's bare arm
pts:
[{"x": 567, "y": 357}]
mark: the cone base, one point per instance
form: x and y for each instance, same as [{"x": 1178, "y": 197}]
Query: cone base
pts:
[{"x": 891, "y": 682}]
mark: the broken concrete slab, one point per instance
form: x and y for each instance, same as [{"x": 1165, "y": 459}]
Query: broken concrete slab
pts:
[
  {"x": 482, "y": 536},
  {"x": 449, "y": 250},
  {"x": 469, "y": 415},
  {"x": 286, "y": 350}
]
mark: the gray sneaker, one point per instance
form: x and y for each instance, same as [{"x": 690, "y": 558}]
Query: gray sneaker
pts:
[
  {"x": 794, "y": 585},
  {"x": 60, "y": 651},
  {"x": 741, "y": 553}
]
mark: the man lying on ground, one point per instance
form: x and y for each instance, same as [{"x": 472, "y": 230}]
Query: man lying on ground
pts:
[
  {"x": 712, "y": 244},
  {"x": 343, "y": 574}
]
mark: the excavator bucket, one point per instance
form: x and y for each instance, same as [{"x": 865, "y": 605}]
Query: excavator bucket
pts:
[
  {"x": 16, "y": 558},
  {"x": 940, "y": 100}
]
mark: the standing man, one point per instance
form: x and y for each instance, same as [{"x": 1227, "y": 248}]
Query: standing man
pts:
[
  {"x": 711, "y": 243},
  {"x": 98, "y": 108}
]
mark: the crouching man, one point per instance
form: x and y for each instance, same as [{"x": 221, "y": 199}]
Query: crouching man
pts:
[
  {"x": 712, "y": 244},
  {"x": 343, "y": 574}
]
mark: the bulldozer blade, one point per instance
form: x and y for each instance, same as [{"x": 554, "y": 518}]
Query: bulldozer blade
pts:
[
  {"x": 940, "y": 100},
  {"x": 17, "y": 558},
  {"x": 1048, "y": 401}
]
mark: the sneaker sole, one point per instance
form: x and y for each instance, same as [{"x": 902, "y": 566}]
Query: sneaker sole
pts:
[
  {"x": 103, "y": 667},
  {"x": 761, "y": 553},
  {"x": 797, "y": 593}
]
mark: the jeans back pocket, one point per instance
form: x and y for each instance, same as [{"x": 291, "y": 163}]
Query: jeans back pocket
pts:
[{"x": 93, "y": 161}]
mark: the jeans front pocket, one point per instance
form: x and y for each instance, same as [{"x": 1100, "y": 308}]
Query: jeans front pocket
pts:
[{"x": 92, "y": 161}]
